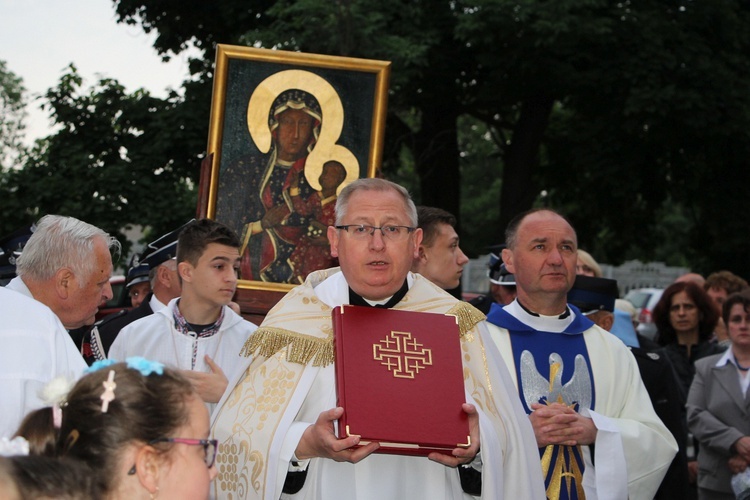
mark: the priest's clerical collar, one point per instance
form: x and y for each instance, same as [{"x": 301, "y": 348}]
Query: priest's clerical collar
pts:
[
  {"x": 357, "y": 300},
  {"x": 539, "y": 322},
  {"x": 532, "y": 313}
]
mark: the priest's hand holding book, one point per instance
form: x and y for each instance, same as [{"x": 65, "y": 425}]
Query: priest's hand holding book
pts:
[
  {"x": 319, "y": 440},
  {"x": 461, "y": 455}
]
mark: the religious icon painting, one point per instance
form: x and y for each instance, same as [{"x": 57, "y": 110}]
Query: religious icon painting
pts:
[{"x": 288, "y": 131}]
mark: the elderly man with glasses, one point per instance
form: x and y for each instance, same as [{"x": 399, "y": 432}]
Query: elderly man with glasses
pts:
[{"x": 275, "y": 424}]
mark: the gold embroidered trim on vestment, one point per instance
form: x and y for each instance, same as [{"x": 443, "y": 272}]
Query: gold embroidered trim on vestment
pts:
[
  {"x": 468, "y": 316},
  {"x": 267, "y": 341}
]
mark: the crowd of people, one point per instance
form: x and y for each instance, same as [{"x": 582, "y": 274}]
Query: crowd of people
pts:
[{"x": 181, "y": 397}]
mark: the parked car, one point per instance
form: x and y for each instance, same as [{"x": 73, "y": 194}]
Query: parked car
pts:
[{"x": 644, "y": 300}]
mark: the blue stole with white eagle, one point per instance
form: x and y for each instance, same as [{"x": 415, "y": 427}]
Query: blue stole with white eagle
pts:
[{"x": 553, "y": 368}]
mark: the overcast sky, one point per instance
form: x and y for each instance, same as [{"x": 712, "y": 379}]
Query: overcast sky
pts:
[{"x": 40, "y": 38}]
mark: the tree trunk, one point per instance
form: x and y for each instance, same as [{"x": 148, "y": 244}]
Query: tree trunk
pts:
[
  {"x": 518, "y": 189},
  {"x": 436, "y": 158}
]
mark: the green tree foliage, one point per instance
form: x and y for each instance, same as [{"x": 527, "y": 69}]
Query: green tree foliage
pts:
[
  {"x": 12, "y": 114},
  {"x": 657, "y": 126},
  {"x": 631, "y": 117},
  {"x": 417, "y": 39},
  {"x": 621, "y": 112},
  {"x": 109, "y": 163},
  {"x": 481, "y": 173}
]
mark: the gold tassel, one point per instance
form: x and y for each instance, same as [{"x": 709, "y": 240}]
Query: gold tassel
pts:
[
  {"x": 468, "y": 316},
  {"x": 301, "y": 349}
]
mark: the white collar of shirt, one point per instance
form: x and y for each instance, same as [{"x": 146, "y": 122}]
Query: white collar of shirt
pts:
[
  {"x": 728, "y": 358},
  {"x": 539, "y": 323},
  {"x": 156, "y": 304},
  {"x": 19, "y": 286},
  {"x": 334, "y": 291}
]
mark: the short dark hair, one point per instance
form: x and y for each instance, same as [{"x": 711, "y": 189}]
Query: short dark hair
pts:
[
  {"x": 198, "y": 234},
  {"x": 708, "y": 315},
  {"x": 428, "y": 219},
  {"x": 735, "y": 298},
  {"x": 511, "y": 231},
  {"x": 726, "y": 280}
]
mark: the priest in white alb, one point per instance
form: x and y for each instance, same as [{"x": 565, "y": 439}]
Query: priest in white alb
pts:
[{"x": 598, "y": 434}]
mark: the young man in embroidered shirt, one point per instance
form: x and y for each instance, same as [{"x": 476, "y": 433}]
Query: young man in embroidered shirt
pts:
[{"x": 197, "y": 332}]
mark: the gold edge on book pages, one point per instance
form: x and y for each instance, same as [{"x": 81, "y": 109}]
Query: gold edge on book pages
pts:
[
  {"x": 301, "y": 349},
  {"x": 410, "y": 446}
]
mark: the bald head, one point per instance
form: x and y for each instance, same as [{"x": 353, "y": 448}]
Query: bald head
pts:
[{"x": 542, "y": 255}]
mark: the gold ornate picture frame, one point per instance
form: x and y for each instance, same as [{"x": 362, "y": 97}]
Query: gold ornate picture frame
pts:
[{"x": 287, "y": 131}]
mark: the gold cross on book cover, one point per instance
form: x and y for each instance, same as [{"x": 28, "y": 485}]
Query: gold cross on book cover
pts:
[
  {"x": 402, "y": 355},
  {"x": 399, "y": 378}
]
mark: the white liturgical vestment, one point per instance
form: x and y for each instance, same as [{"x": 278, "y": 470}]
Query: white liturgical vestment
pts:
[{"x": 289, "y": 380}]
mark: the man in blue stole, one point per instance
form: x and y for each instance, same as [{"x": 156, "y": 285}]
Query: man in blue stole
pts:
[{"x": 597, "y": 432}]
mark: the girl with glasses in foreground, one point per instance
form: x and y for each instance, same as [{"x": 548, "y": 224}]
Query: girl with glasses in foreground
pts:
[{"x": 140, "y": 428}]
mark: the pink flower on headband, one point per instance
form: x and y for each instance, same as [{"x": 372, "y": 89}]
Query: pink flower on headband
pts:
[{"x": 109, "y": 391}]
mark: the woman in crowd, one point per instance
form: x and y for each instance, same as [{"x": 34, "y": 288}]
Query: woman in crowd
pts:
[
  {"x": 587, "y": 266},
  {"x": 140, "y": 427},
  {"x": 685, "y": 319},
  {"x": 717, "y": 407}
]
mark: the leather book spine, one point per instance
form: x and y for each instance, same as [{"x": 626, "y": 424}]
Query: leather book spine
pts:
[{"x": 338, "y": 313}]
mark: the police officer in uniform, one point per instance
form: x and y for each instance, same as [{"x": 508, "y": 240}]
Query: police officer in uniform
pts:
[
  {"x": 137, "y": 283},
  {"x": 502, "y": 284}
]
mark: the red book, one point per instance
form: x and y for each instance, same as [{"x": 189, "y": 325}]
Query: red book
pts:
[{"x": 399, "y": 378}]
